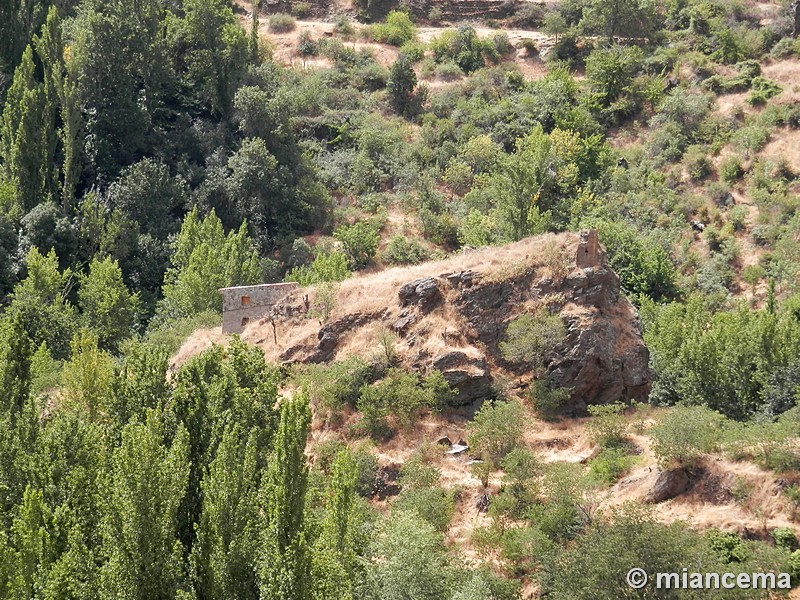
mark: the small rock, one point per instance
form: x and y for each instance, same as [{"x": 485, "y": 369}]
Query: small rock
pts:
[{"x": 669, "y": 484}]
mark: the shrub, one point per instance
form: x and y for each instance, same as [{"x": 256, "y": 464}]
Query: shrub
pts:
[
  {"x": 415, "y": 474},
  {"x": 327, "y": 266},
  {"x": 785, "y": 538},
  {"x": 547, "y": 401},
  {"x": 403, "y": 250},
  {"x": 762, "y": 90},
  {"x": 415, "y": 51},
  {"x": 730, "y": 170},
  {"x": 367, "y": 469},
  {"x": 343, "y": 26},
  {"x": 685, "y": 433},
  {"x": 307, "y": 45},
  {"x": 397, "y": 30},
  {"x": 611, "y": 464},
  {"x": 458, "y": 175},
  {"x": 608, "y": 427},
  {"x": 435, "y": 15},
  {"x": 281, "y": 23},
  {"x": 697, "y": 162},
  {"x": 737, "y": 217},
  {"x": 496, "y": 429},
  {"x": 448, "y": 71},
  {"x": 530, "y": 338},
  {"x": 435, "y": 505},
  {"x": 301, "y": 10},
  {"x": 360, "y": 242},
  {"x": 337, "y": 384},
  {"x": 530, "y": 46}
]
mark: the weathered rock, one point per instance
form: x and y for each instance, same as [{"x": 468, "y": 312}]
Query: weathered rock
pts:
[
  {"x": 330, "y": 333},
  {"x": 401, "y": 325},
  {"x": 669, "y": 484},
  {"x": 423, "y": 292},
  {"x": 468, "y": 376}
]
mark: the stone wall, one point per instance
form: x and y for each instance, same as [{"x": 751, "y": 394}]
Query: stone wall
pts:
[{"x": 244, "y": 304}]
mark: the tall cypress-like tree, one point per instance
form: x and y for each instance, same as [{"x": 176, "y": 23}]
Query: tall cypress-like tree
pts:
[
  {"x": 25, "y": 132},
  {"x": 145, "y": 487},
  {"x": 284, "y": 565},
  {"x": 62, "y": 104},
  {"x": 333, "y": 553},
  {"x": 224, "y": 555}
]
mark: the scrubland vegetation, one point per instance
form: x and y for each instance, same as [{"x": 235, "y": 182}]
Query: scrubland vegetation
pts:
[{"x": 152, "y": 154}]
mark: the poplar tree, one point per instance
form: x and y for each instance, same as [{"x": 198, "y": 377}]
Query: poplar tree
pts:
[
  {"x": 224, "y": 555},
  {"x": 334, "y": 556},
  {"x": 284, "y": 566},
  {"x": 145, "y": 486},
  {"x": 24, "y": 139}
]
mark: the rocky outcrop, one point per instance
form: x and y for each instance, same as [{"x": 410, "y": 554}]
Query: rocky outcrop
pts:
[{"x": 455, "y": 321}]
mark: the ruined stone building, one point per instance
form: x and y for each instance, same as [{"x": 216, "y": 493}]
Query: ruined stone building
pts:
[{"x": 246, "y": 303}]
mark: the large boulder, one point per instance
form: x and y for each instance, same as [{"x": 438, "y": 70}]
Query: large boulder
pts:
[{"x": 669, "y": 484}]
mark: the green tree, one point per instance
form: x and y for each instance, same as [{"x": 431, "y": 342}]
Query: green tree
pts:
[
  {"x": 360, "y": 242},
  {"x": 408, "y": 559},
  {"x": 109, "y": 309},
  {"x": 284, "y": 561},
  {"x": 496, "y": 429},
  {"x": 401, "y": 85},
  {"x": 25, "y": 139},
  {"x": 204, "y": 261},
  {"x": 224, "y": 556},
  {"x": 210, "y": 51},
  {"x": 122, "y": 73},
  {"x": 621, "y": 18},
  {"x": 40, "y": 301},
  {"x": 146, "y": 483},
  {"x": 15, "y": 364},
  {"x": 611, "y": 71},
  {"x": 88, "y": 378},
  {"x": 333, "y": 555}
]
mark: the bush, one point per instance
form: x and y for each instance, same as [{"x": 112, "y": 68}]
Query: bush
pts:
[
  {"x": 397, "y": 30},
  {"x": 301, "y": 10},
  {"x": 608, "y": 426},
  {"x": 435, "y": 15},
  {"x": 530, "y": 338},
  {"x": 730, "y": 170},
  {"x": 343, "y": 26},
  {"x": 338, "y": 384},
  {"x": 785, "y": 538},
  {"x": 697, "y": 163},
  {"x": 281, "y": 23},
  {"x": 448, "y": 71},
  {"x": 403, "y": 250},
  {"x": 458, "y": 175},
  {"x": 360, "y": 242},
  {"x": 435, "y": 505},
  {"x": 327, "y": 267},
  {"x": 762, "y": 90},
  {"x": 547, "y": 401},
  {"x": 496, "y": 429},
  {"x": 611, "y": 464},
  {"x": 686, "y": 433}
]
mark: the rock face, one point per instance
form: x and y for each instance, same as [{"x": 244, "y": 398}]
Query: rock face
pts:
[{"x": 455, "y": 321}]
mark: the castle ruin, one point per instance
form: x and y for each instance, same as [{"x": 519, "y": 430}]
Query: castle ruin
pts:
[{"x": 246, "y": 303}]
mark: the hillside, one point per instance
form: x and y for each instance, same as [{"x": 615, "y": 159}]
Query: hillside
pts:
[{"x": 544, "y": 326}]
